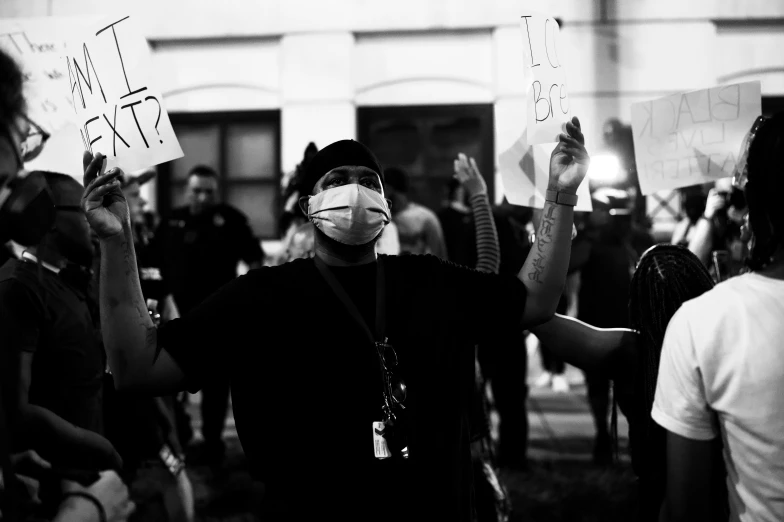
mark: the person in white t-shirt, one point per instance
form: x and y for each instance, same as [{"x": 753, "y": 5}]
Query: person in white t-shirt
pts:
[{"x": 721, "y": 376}]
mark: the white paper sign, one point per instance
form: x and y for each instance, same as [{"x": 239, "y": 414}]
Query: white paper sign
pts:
[
  {"x": 119, "y": 112},
  {"x": 547, "y": 94},
  {"x": 525, "y": 172},
  {"x": 692, "y": 138},
  {"x": 38, "y": 46}
]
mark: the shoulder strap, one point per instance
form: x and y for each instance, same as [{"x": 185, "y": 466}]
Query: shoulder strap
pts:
[{"x": 341, "y": 294}]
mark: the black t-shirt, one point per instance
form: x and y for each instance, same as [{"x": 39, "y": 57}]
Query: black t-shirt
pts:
[
  {"x": 306, "y": 387},
  {"x": 459, "y": 236},
  {"x": 42, "y": 314},
  {"x": 201, "y": 252}
]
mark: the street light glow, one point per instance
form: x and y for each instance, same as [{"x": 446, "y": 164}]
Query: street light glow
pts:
[{"x": 605, "y": 168}]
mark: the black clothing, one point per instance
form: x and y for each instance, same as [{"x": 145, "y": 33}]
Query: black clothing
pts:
[
  {"x": 550, "y": 361},
  {"x": 309, "y": 404},
  {"x": 201, "y": 252},
  {"x": 459, "y": 235},
  {"x": 44, "y": 315}
]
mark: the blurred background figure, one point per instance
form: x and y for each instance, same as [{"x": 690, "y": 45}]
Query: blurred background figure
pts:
[
  {"x": 605, "y": 254},
  {"x": 554, "y": 373},
  {"x": 457, "y": 223},
  {"x": 418, "y": 227},
  {"x": 202, "y": 243}
]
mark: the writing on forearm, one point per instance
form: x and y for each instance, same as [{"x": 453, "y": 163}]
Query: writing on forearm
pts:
[{"x": 543, "y": 239}]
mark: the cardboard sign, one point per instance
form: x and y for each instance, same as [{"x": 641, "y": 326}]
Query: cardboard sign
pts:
[
  {"x": 547, "y": 94},
  {"x": 692, "y": 138},
  {"x": 118, "y": 110},
  {"x": 38, "y": 45},
  {"x": 525, "y": 172}
]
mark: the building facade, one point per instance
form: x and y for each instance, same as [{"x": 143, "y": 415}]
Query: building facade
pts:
[{"x": 307, "y": 70}]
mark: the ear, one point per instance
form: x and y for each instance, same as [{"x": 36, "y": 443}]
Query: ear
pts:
[
  {"x": 389, "y": 203},
  {"x": 303, "y": 204}
]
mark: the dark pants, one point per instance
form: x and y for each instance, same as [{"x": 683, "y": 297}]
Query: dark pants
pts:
[
  {"x": 506, "y": 367},
  {"x": 214, "y": 407}
]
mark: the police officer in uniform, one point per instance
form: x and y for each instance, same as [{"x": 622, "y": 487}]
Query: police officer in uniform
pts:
[{"x": 202, "y": 244}]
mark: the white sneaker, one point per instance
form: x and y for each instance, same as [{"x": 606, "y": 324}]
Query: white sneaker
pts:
[
  {"x": 560, "y": 384},
  {"x": 544, "y": 380}
]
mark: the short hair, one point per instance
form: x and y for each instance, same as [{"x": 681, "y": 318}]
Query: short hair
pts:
[
  {"x": 12, "y": 103},
  {"x": 764, "y": 188},
  {"x": 203, "y": 171},
  {"x": 397, "y": 178}
]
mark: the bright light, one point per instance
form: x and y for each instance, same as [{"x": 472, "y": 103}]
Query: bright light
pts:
[{"x": 605, "y": 168}]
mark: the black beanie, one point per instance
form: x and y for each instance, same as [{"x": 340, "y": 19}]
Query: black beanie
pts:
[{"x": 340, "y": 154}]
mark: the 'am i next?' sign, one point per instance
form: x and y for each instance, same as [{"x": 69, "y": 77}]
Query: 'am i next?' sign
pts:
[{"x": 119, "y": 112}]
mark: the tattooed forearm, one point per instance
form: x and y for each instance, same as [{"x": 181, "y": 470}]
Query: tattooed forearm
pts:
[{"x": 543, "y": 240}]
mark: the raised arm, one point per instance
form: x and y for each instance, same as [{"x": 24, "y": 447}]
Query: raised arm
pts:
[
  {"x": 129, "y": 335},
  {"x": 544, "y": 271},
  {"x": 488, "y": 252},
  {"x": 583, "y": 345}
]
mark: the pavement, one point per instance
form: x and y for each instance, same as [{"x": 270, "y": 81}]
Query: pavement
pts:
[{"x": 560, "y": 438}]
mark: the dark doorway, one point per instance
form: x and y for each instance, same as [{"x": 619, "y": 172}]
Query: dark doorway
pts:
[{"x": 425, "y": 141}]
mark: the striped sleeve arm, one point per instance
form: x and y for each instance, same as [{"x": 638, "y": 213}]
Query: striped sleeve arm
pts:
[{"x": 488, "y": 255}]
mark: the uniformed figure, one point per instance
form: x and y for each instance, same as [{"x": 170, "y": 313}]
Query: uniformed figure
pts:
[{"x": 202, "y": 244}]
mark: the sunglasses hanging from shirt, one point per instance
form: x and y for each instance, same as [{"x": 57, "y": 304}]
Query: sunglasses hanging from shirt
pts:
[{"x": 389, "y": 435}]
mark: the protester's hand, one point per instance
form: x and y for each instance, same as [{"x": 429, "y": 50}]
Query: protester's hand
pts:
[
  {"x": 110, "y": 491},
  {"x": 569, "y": 161},
  {"x": 715, "y": 203},
  {"x": 103, "y": 201},
  {"x": 467, "y": 173},
  {"x": 185, "y": 490}
]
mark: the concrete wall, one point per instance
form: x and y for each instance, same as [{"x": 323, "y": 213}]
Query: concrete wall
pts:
[{"x": 317, "y": 60}]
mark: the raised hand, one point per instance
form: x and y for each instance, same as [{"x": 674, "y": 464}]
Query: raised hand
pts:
[
  {"x": 467, "y": 173},
  {"x": 103, "y": 201},
  {"x": 569, "y": 160}
]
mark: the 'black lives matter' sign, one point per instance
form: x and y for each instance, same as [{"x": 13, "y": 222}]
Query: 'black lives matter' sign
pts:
[
  {"x": 694, "y": 137},
  {"x": 547, "y": 94},
  {"x": 119, "y": 111}
]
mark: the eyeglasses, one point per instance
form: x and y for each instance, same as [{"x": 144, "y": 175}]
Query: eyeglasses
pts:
[
  {"x": 34, "y": 142},
  {"x": 741, "y": 175},
  {"x": 395, "y": 390}
]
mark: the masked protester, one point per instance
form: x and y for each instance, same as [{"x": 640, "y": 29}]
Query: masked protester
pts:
[
  {"x": 720, "y": 378},
  {"x": 373, "y": 356}
]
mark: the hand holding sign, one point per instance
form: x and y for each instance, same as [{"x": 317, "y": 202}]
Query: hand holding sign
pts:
[
  {"x": 548, "y": 98},
  {"x": 103, "y": 201},
  {"x": 526, "y": 172},
  {"x": 119, "y": 114}
]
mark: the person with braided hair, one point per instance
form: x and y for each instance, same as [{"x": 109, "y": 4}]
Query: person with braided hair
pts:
[
  {"x": 665, "y": 278},
  {"x": 721, "y": 373}
]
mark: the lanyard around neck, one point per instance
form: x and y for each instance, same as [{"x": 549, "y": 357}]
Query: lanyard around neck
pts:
[{"x": 341, "y": 294}]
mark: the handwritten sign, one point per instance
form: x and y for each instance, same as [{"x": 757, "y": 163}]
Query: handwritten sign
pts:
[
  {"x": 38, "y": 45},
  {"x": 547, "y": 94},
  {"x": 118, "y": 110},
  {"x": 525, "y": 172},
  {"x": 692, "y": 138}
]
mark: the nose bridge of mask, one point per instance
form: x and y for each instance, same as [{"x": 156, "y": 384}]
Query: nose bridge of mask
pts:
[{"x": 347, "y": 196}]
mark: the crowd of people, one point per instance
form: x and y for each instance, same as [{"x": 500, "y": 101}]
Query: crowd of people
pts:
[{"x": 386, "y": 313}]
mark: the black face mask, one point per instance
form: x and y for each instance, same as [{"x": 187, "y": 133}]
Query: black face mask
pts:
[{"x": 28, "y": 212}]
